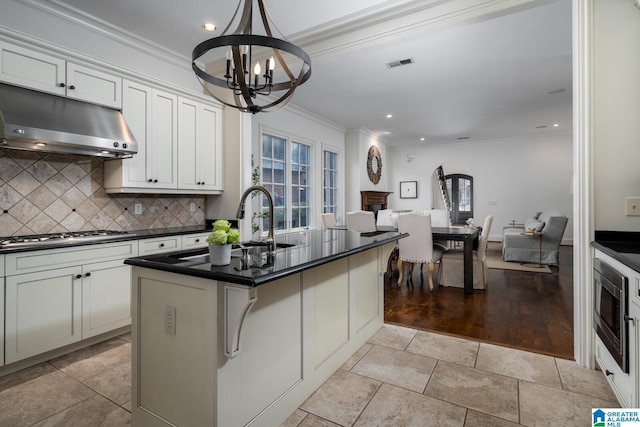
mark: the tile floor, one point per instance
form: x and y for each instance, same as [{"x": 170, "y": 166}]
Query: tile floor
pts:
[{"x": 401, "y": 377}]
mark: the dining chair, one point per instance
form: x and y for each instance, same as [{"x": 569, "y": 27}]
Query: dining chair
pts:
[
  {"x": 451, "y": 271},
  {"x": 362, "y": 221},
  {"x": 328, "y": 220},
  {"x": 418, "y": 247},
  {"x": 384, "y": 221}
]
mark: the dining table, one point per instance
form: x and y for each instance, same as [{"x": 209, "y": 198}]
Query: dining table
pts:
[{"x": 466, "y": 235}]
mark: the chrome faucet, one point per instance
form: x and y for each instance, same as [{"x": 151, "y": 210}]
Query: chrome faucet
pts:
[{"x": 270, "y": 241}]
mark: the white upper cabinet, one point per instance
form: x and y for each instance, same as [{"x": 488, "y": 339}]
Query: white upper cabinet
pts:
[
  {"x": 53, "y": 74},
  {"x": 199, "y": 146},
  {"x": 152, "y": 117}
]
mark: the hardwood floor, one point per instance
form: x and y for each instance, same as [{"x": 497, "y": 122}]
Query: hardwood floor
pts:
[{"x": 523, "y": 310}]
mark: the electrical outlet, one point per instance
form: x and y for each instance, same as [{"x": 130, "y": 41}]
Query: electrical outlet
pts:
[
  {"x": 192, "y": 207},
  {"x": 137, "y": 207},
  {"x": 170, "y": 319},
  {"x": 632, "y": 205}
]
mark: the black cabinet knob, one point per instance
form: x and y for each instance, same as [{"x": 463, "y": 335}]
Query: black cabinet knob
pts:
[
  {"x": 149, "y": 180},
  {"x": 72, "y": 87},
  {"x": 78, "y": 276},
  {"x": 62, "y": 85},
  {"x": 608, "y": 372},
  {"x": 197, "y": 240},
  {"x": 162, "y": 245},
  {"x": 88, "y": 274},
  {"x": 155, "y": 180}
]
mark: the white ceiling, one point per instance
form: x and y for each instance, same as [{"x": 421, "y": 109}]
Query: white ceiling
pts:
[{"x": 478, "y": 75}]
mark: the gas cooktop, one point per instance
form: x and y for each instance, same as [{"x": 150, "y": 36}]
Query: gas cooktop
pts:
[{"x": 72, "y": 237}]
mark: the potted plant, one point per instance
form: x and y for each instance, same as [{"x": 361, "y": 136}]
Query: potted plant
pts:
[{"x": 220, "y": 242}]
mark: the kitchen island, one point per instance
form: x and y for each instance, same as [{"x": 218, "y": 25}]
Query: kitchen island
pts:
[{"x": 247, "y": 343}]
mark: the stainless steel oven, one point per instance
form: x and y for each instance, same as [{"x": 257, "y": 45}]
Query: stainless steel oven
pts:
[{"x": 611, "y": 311}]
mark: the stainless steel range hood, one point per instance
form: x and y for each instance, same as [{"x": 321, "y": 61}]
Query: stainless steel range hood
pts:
[{"x": 37, "y": 121}]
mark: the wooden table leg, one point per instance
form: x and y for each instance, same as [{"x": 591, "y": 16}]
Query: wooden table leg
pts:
[{"x": 468, "y": 265}]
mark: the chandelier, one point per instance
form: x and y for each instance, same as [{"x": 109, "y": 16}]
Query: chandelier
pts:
[{"x": 243, "y": 49}]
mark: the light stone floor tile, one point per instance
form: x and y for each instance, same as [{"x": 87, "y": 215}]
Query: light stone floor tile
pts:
[
  {"x": 96, "y": 411},
  {"x": 546, "y": 406},
  {"x": 315, "y": 421},
  {"x": 38, "y": 392},
  {"x": 483, "y": 391},
  {"x": 395, "y": 406},
  {"x": 342, "y": 397},
  {"x": 94, "y": 360},
  {"x": 114, "y": 384},
  {"x": 393, "y": 336},
  {"x": 579, "y": 379},
  {"x": 478, "y": 419},
  {"x": 524, "y": 365},
  {"x": 444, "y": 347},
  {"x": 357, "y": 356},
  {"x": 407, "y": 370},
  {"x": 294, "y": 419}
]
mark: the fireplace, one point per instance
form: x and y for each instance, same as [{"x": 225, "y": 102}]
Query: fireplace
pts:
[{"x": 373, "y": 200}]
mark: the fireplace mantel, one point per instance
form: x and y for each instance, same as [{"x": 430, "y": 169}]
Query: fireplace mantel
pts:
[{"x": 374, "y": 200}]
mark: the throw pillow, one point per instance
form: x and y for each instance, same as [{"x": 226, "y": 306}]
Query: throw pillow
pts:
[{"x": 532, "y": 224}]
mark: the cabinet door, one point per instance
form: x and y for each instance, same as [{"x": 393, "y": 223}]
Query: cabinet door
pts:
[
  {"x": 162, "y": 147},
  {"x": 1, "y": 320},
  {"x": 209, "y": 148},
  {"x": 43, "y": 312},
  {"x": 136, "y": 108},
  {"x": 94, "y": 86},
  {"x": 188, "y": 120},
  {"x": 34, "y": 70},
  {"x": 199, "y": 146},
  {"x": 106, "y": 297}
]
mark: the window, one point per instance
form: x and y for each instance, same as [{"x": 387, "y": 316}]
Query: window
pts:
[
  {"x": 330, "y": 183},
  {"x": 286, "y": 173}
]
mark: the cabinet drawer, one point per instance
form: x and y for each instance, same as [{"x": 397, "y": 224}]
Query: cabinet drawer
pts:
[
  {"x": 28, "y": 262},
  {"x": 159, "y": 245},
  {"x": 193, "y": 241},
  {"x": 622, "y": 384}
]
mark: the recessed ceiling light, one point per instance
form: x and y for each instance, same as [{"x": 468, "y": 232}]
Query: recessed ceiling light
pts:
[
  {"x": 209, "y": 26},
  {"x": 41, "y": 144},
  {"x": 389, "y": 116},
  {"x": 555, "y": 125},
  {"x": 422, "y": 139}
]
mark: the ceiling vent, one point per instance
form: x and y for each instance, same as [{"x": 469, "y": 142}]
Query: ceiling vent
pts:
[{"x": 400, "y": 63}]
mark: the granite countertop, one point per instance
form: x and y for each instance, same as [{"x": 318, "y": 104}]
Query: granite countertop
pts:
[
  {"x": 131, "y": 235},
  {"x": 311, "y": 249},
  {"x": 623, "y": 246}
]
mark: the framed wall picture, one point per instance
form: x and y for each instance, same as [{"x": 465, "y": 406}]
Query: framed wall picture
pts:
[{"x": 408, "y": 189}]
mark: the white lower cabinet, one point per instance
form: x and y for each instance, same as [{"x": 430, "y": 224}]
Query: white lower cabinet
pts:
[
  {"x": 158, "y": 245},
  {"x": 43, "y": 312},
  {"x": 58, "y": 297},
  {"x": 1, "y": 310},
  {"x": 194, "y": 241},
  {"x": 106, "y": 297}
]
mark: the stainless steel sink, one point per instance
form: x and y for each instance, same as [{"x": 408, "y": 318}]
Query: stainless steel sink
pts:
[{"x": 258, "y": 247}]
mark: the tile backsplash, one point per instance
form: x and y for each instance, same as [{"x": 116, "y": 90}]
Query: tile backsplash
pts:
[{"x": 50, "y": 193}]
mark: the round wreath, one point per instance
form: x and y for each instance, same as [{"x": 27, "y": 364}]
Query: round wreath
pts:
[{"x": 374, "y": 176}]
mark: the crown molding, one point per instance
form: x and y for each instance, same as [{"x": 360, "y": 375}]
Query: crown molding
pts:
[{"x": 70, "y": 14}]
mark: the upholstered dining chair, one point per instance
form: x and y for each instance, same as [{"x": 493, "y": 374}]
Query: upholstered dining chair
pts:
[
  {"x": 418, "y": 247},
  {"x": 452, "y": 263},
  {"x": 384, "y": 220},
  {"x": 362, "y": 221},
  {"x": 328, "y": 220}
]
